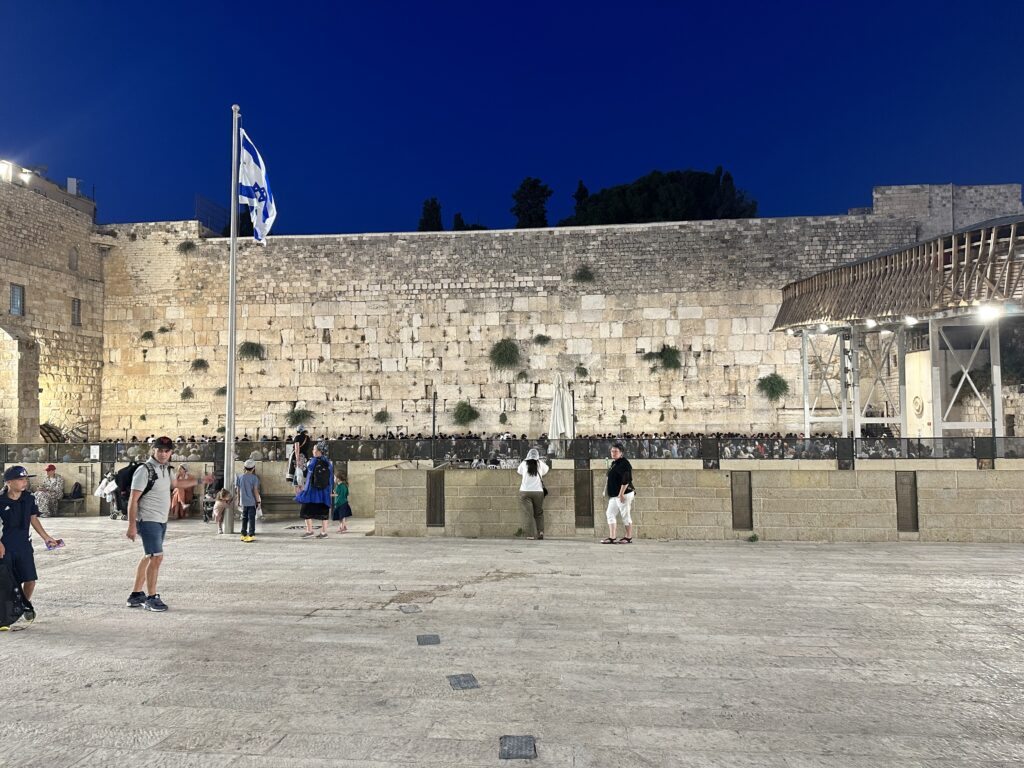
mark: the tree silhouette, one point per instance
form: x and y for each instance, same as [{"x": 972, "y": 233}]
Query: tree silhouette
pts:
[
  {"x": 672, "y": 196},
  {"x": 531, "y": 199},
  {"x": 430, "y": 219},
  {"x": 580, "y": 196}
]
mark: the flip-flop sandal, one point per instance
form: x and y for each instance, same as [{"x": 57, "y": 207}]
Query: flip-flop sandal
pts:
[
  {"x": 607, "y": 541},
  {"x": 624, "y": 540}
]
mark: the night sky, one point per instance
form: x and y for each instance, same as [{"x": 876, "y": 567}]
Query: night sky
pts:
[{"x": 363, "y": 110}]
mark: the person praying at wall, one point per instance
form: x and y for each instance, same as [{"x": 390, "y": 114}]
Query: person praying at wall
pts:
[{"x": 531, "y": 489}]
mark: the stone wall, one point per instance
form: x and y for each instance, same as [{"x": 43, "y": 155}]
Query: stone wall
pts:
[
  {"x": 38, "y": 237},
  {"x": 353, "y": 325},
  {"x": 821, "y": 505},
  {"x": 942, "y": 208}
]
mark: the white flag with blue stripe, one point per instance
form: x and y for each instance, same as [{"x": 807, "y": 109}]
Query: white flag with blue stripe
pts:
[{"x": 254, "y": 190}]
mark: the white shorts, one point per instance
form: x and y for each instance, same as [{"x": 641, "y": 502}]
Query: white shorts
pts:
[{"x": 624, "y": 509}]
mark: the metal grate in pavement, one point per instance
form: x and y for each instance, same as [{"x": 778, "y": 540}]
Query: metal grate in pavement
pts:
[
  {"x": 463, "y": 682},
  {"x": 428, "y": 639},
  {"x": 409, "y": 608},
  {"x": 517, "y": 748}
]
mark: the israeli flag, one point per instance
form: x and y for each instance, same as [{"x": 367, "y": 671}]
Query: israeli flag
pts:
[{"x": 254, "y": 190}]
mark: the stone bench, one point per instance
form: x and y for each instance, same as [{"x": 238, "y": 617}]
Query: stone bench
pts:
[
  {"x": 70, "y": 508},
  {"x": 280, "y": 506}
]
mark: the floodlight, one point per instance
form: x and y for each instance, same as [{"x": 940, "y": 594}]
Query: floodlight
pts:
[{"x": 989, "y": 312}]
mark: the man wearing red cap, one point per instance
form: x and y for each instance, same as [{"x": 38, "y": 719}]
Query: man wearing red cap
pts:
[
  {"x": 49, "y": 492},
  {"x": 148, "y": 507},
  {"x": 18, "y": 512}
]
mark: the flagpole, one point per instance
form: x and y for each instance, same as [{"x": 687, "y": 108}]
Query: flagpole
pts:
[{"x": 229, "y": 427}]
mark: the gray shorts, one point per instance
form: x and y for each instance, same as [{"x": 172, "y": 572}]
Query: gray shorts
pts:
[{"x": 152, "y": 534}]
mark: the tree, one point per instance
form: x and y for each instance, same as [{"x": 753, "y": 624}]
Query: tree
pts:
[
  {"x": 244, "y": 224},
  {"x": 459, "y": 225},
  {"x": 430, "y": 220},
  {"x": 671, "y": 196},
  {"x": 531, "y": 200},
  {"x": 580, "y": 196}
]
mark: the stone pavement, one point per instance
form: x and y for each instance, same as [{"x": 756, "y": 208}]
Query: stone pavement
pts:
[{"x": 289, "y": 653}]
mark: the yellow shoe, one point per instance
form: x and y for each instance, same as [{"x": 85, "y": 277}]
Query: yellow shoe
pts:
[{"x": 244, "y": 538}]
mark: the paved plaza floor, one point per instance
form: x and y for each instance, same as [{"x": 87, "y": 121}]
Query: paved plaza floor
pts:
[{"x": 290, "y": 653}]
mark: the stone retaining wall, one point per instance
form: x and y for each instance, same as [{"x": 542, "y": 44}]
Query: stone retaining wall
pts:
[{"x": 824, "y": 505}]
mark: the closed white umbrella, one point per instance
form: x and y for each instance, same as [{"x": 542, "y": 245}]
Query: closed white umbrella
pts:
[{"x": 561, "y": 426}]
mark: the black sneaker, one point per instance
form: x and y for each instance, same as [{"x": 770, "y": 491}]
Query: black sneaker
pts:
[
  {"x": 136, "y": 599},
  {"x": 154, "y": 603},
  {"x": 30, "y": 612}
]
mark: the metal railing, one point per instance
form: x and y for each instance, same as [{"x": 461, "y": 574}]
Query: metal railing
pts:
[{"x": 477, "y": 452}]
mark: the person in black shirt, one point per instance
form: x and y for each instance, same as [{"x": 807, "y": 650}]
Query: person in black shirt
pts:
[
  {"x": 18, "y": 512},
  {"x": 302, "y": 451},
  {"x": 620, "y": 492}
]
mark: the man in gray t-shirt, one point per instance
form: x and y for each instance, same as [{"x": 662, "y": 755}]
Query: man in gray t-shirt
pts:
[{"x": 147, "y": 517}]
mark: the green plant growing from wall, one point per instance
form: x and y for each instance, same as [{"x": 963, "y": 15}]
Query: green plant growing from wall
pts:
[
  {"x": 186, "y": 246},
  {"x": 583, "y": 274},
  {"x": 773, "y": 387},
  {"x": 667, "y": 358},
  {"x": 142, "y": 417},
  {"x": 147, "y": 336},
  {"x": 542, "y": 339},
  {"x": 464, "y": 413},
  {"x": 220, "y": 391},
  {"x": 505, "y": 354},
  {"x": 221, "y": 430},
  {"x": 523, "y": 376},
  {"x": 382, "y": 417},
  {"x": 187, "y": 393},
  {"x": 206, "y": 420},
  {"x": 163, "y": 329},
  {"x": 622, "y": 419},
  {"x": 503, "y": 418},
  {"x": 251, "y": 350},
  {"x": 581, "y": 372},
  {"x": 297, "y": 416},
  {"x": 199, "y": 364}
]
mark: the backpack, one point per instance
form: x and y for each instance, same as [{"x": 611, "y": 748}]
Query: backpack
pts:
[
  {"x": 11, "y": 599},
  {"x": 76, "y": 491},
  {"x": 152, "y": 477},
  {"x": 321, "y": 475},
  {"x": 123, "y": 478}
]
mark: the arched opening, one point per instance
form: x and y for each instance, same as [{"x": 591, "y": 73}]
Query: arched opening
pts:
[{"x": 19, "y": 388}]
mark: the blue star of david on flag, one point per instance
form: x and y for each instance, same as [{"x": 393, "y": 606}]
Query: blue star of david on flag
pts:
[{"x": 254, "y": 190}]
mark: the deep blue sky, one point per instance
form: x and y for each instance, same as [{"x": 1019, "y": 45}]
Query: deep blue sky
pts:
[{"x": 363, "y": 110}]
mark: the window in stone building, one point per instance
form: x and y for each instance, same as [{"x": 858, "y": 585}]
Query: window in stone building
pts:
[
  {"x": 73, "y": 258},
  {"x": 76, "y": 311},
  {"x": 17, "y": 299}
]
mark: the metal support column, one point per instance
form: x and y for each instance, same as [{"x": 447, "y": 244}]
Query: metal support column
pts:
[
  {"x": 855, "y": 341},
  {"x": 935, "y": 354},
  {"x": 806, "y": 384},
  {"x": 995, "y": 357},
  {"x": 901, "y": 366},
  {"x": 844, "y": 343}
]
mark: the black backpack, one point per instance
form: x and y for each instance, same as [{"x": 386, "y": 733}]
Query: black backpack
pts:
[
  {"x": 11, "y": 599},
  {"x": 321, "y": 475},
  {"x": 123, "y": 478},
  {"x": 76, "y": 491}
]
